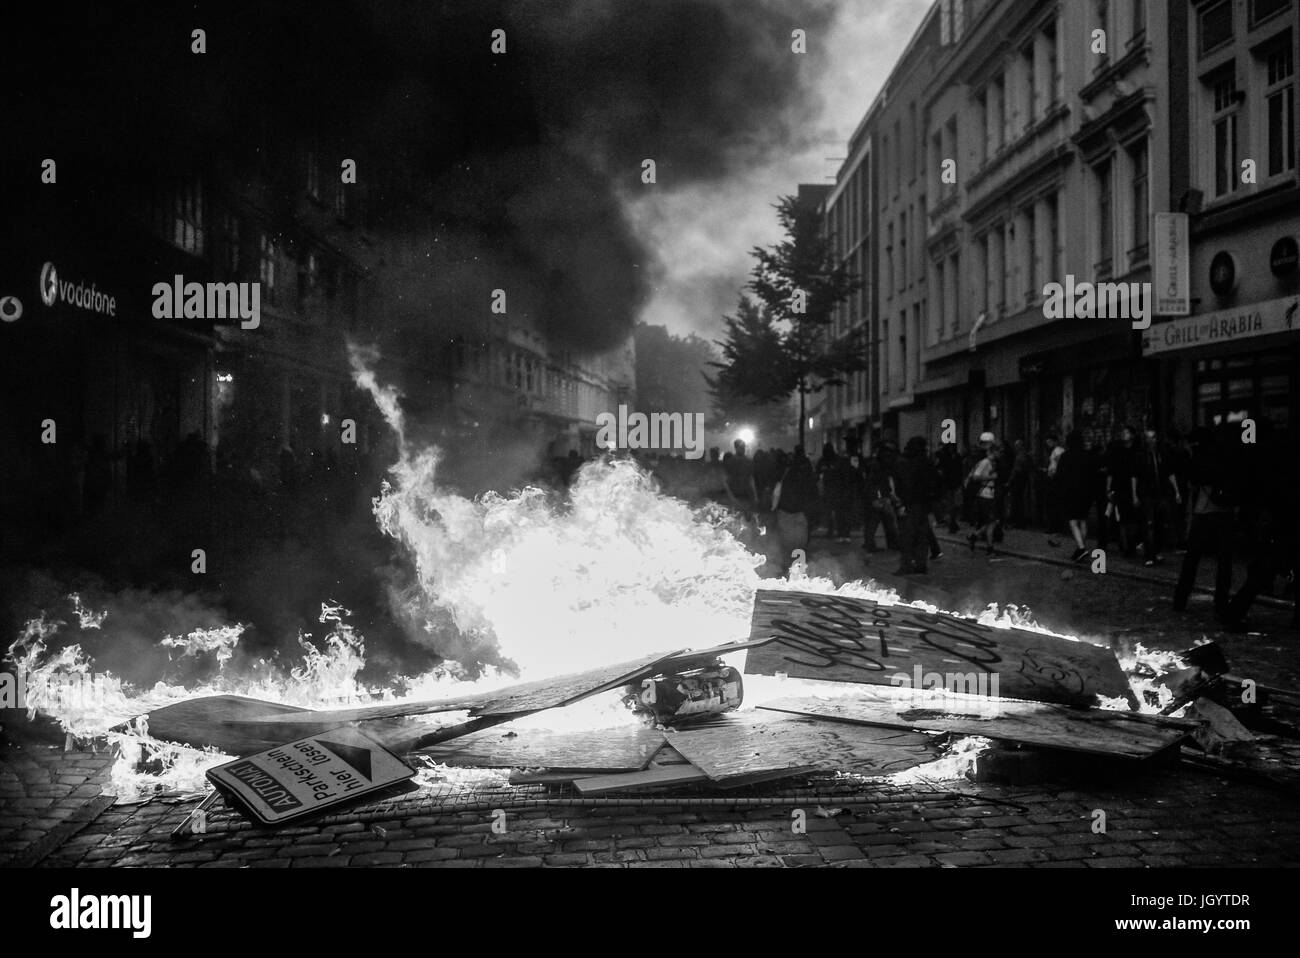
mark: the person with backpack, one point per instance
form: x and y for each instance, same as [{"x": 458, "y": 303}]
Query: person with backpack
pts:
[{"x": 881, "y": 501}]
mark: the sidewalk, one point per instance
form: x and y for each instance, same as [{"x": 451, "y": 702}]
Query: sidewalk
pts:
[{"x": 1033, "y": 544}]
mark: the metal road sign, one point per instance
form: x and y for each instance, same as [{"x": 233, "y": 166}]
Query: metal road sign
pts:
[{"x": 309, "y": 775}]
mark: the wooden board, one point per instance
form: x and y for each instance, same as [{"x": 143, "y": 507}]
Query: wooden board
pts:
[
  {"x": 613, "y": 750},
  {"x": 631, "y": 781},
  {"x": 752, "y": 743},
  {"x": 1094, "y": 731},
  {"x": 842, "y": 639},
  {"x": 532, "y": 696}
]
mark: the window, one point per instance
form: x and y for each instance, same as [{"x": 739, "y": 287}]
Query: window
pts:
[
  {"x": 179, "y": 216},
  {"x": 1031, "y": 255},
  {"x": 1261, "y": 10},
  {"x": 889, "y": 259},
  {"x": 911, "y": 142},
  {"x": 1279, "y": 101},
  {"x": 313, "y": 174},
  {"x": 227, "y": 251},
  {"x": 1215, "y": 26},
  {"x": 1105, "y": 219},
  {"x": 1103, "y": 24},
  {"x": 1223, "y": 87},
  {"x": 902, "y": 250},
  {"x": 951, "y": 128},
  {"x": 997, "y": 270},
  {"x": 1031, "y": 86},
  {"x": 1056, "y": 272},
  {"x": 998, "y": 113},
  {"x": 885, "y": 171},
  {"x": 1053, "y": 64},
  {"x": 1141, "y": 202},
  {"x": 269, "y": 252},
  {"x": 898, "y": 155},
  {"x": 1139, "y": 19},
  {"x": 982, "y": 121},
  {"x": 308, "y": 275},
  {"x": 902, "y": 350},
  {"x": 1010, "y": 266},
  {"x": 984, "y": 272}
]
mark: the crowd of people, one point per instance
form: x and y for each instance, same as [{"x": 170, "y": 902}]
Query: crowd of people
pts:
[{"x": 1211, "y": 494}]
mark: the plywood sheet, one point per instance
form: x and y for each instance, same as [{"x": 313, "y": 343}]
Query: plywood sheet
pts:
[
  {"x": 843, "y": 639},
  {"x": 613, "y": 749},
  {"x": 754, "y": 742},
  {"x": 633, "y": 781},
  {"x": 1042, "y": 724},
  {"x": 525, "y": 697}
]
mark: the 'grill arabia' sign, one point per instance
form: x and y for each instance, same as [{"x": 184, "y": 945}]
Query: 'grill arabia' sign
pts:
[{"x": 1225, "y": 326}]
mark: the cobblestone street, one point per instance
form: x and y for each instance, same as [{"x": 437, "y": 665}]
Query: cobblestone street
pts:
[{"x": 1027, "y": 809}]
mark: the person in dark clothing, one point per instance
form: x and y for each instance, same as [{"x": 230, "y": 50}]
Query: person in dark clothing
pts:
[
  {"x": 1022, "y": 467},
  {"x": 1099, "y": 486},
  {"x": 740, "y": 480},
  {"x": 569, "y": 467},
  {"x": 794, "y": 495},
  {"x": 1211, "y": 498},
  {"x": 1121, "y": 487},
  {"x": 881, "y": 502},
  {"x": 1053, "y": 504},
  {"x": 1157, "y": 494},
  {"x": 1075, "y": 478},
  {"x": 917, "y": 481},
  {"x": 831, "y": 474},
  {"x": 951, "y": 473},
  {"x": 855, "y": 491},
  {"x": 1271, "y": 516}
]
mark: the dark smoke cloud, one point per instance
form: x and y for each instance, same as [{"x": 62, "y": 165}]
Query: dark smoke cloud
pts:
[{"x": 521, "y": 158}]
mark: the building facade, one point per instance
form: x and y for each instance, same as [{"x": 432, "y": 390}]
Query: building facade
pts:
[{"x": 1024, "y": 143}]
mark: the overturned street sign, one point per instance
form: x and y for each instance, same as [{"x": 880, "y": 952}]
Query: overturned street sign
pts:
[{"x": 306, "y": 776}]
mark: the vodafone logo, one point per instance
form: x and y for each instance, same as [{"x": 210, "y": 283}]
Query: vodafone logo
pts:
[
  {"x": 11, "y": 309},
  {"x": 76, "y": 294},
  {"x": 49, "y": 284}
]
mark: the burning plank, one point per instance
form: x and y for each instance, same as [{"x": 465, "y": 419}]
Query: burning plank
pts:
[
  {"x": 763, "y": 744},
  {"x": 240, "y": 725},
  {"x": 1095, "y": 731},
  {"x": 843, "y": 639},
  {"x": 608, "y": 750}
]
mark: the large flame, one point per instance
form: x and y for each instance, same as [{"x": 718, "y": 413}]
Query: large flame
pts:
[{"x": 538, "y": 586}]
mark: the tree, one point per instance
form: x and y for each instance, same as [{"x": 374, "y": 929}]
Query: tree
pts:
[
  {"x": 670, "y": 370},
  {"x": 782, "y": 344}
]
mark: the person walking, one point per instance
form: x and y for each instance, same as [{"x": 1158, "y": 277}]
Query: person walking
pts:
[
  {"x": 950, "y": 474},
  {"x": 983, "y": 480},
  {"x": 1022, "y": 467},
  {"x": 1122, "y": 487},
  {"x": 740, "y": 480},
  {"x": 1270, "y": 515},
  {"x": 1157, "y": 495},
  {"x": 1053, "y": 504},
  {"x": 1075, "y": 478},
  {"x": 916, "y": 482},
  {"x": 794, "y": 495},
  {"x": 1211, "y": 498},
  {"x": 881, "y": 502}
]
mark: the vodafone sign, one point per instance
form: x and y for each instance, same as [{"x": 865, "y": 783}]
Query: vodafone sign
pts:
[{"x": 78, "y": 294}]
